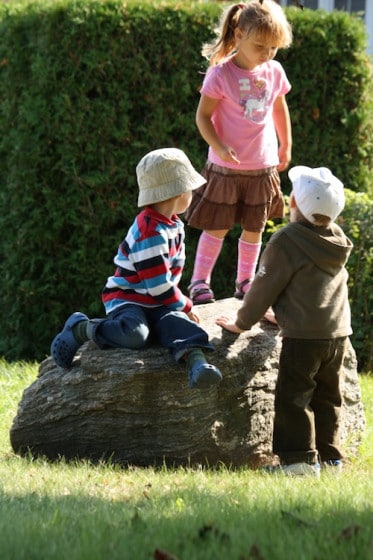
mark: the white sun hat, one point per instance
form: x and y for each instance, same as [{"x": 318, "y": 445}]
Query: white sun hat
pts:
[
  {"x": 317, "y": 191},
  {"x": 165, "y": 173}
]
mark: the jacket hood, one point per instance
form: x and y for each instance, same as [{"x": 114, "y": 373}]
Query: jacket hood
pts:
[{"x": 328, "y": 247}]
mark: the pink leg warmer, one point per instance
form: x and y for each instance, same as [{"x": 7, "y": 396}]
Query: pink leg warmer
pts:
[
  {"x": 248, "y": 256},
  {"x": 208, "y": 250}
]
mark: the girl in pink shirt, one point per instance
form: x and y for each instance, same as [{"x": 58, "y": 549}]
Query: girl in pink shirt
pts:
[{"x": 244, "y": 117}]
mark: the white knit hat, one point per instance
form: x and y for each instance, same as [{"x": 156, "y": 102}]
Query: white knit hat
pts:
[
  {"x": 317, "y": 191},
  {"x": 165, "y": 173}
]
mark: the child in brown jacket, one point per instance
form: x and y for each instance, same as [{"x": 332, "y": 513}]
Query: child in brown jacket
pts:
[{"x": 302, "y": 275}]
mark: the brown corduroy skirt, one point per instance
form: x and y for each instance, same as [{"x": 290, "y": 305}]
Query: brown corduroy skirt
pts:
[{"x": 229, "y": 197}]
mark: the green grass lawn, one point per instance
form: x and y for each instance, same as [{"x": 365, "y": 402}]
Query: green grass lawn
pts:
[{"x": 80, "y": 511}]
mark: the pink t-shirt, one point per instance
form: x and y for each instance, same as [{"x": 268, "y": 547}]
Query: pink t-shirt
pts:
[{"x": 243, "y": 118}]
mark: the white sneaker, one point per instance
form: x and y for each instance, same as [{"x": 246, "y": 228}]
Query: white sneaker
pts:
[
  {"x": 294, "y": 469},
  {"x": 301, "y": 469}
]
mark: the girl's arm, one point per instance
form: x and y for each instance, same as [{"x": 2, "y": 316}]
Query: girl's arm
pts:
[
  {"x": 205, "y": 109},
  {"x": 281, "y": 117}
]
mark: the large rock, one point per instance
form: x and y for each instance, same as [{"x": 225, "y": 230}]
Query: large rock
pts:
[{"x": 136, "y": 407}]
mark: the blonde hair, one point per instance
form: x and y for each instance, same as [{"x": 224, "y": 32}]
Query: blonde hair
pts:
[{"x": 266, "y": 19}]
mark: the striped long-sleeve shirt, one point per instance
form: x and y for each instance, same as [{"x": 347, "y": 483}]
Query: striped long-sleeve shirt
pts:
[{"x": 149, "y": 263}]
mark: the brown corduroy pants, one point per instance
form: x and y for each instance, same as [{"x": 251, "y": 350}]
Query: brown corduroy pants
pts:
[{"x": 308, "y": 400}]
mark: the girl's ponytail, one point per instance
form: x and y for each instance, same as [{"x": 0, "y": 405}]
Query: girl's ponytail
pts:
[{"x": 225, "y": 43}]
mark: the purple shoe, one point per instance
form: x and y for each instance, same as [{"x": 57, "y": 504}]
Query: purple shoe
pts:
[
  {"x": 242, "y": 288},
  {"x": 200, "y": 292},
  {"x": 65, "y": 345}
]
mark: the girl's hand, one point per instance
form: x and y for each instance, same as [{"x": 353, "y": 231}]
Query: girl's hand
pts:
[
  {"x": 284, "y": 155},
  {"x": 228, "y": 324},
  {"x": 192, "y": 316},
  {"x": 227, "y": 153}
]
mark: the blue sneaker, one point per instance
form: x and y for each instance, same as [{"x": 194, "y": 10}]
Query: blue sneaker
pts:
[
  {"x": 333, "y": 466},
  {"x": 203, "y": 375},
  {"x": 65, "y": 345}
]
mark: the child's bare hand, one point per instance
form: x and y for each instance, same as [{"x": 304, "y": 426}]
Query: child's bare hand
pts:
[
  {"x": 193, "y": 316},
  {"x": 228, "y": 324},
  {"x": 284, "y": 155},
  {"x": 228, "y": 154}
]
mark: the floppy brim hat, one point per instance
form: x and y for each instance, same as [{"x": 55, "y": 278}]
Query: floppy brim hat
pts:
[
  {"x": 165, "y": 173},
  {"x": 317, "y": 191}
]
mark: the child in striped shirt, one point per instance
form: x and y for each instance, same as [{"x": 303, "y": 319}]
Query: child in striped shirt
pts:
[{"x": 142, "y": 298}]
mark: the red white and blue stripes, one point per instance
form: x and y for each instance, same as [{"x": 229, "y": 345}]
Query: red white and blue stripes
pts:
[{"x": 149, "y": 263}]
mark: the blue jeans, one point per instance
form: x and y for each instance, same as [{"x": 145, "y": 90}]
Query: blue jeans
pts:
[{"x": 132, "y": 326}]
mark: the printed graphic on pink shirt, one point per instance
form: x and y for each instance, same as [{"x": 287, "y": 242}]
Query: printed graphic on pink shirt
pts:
[{"x": 254, "y": 98}]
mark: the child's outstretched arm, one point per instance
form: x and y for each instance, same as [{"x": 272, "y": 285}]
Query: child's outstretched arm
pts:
[
  {"x": 228, "y": 323},
  {"x": 281, "y": 117},
  {"x": 205, "y": 109}
]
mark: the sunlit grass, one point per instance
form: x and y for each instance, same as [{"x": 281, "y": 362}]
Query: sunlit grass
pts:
[{"x": 82, "y": 511}]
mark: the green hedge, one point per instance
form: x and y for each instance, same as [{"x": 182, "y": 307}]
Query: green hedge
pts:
[
  {"x": 86, "y": 88},
  {"x": 357, "y": 220}
]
